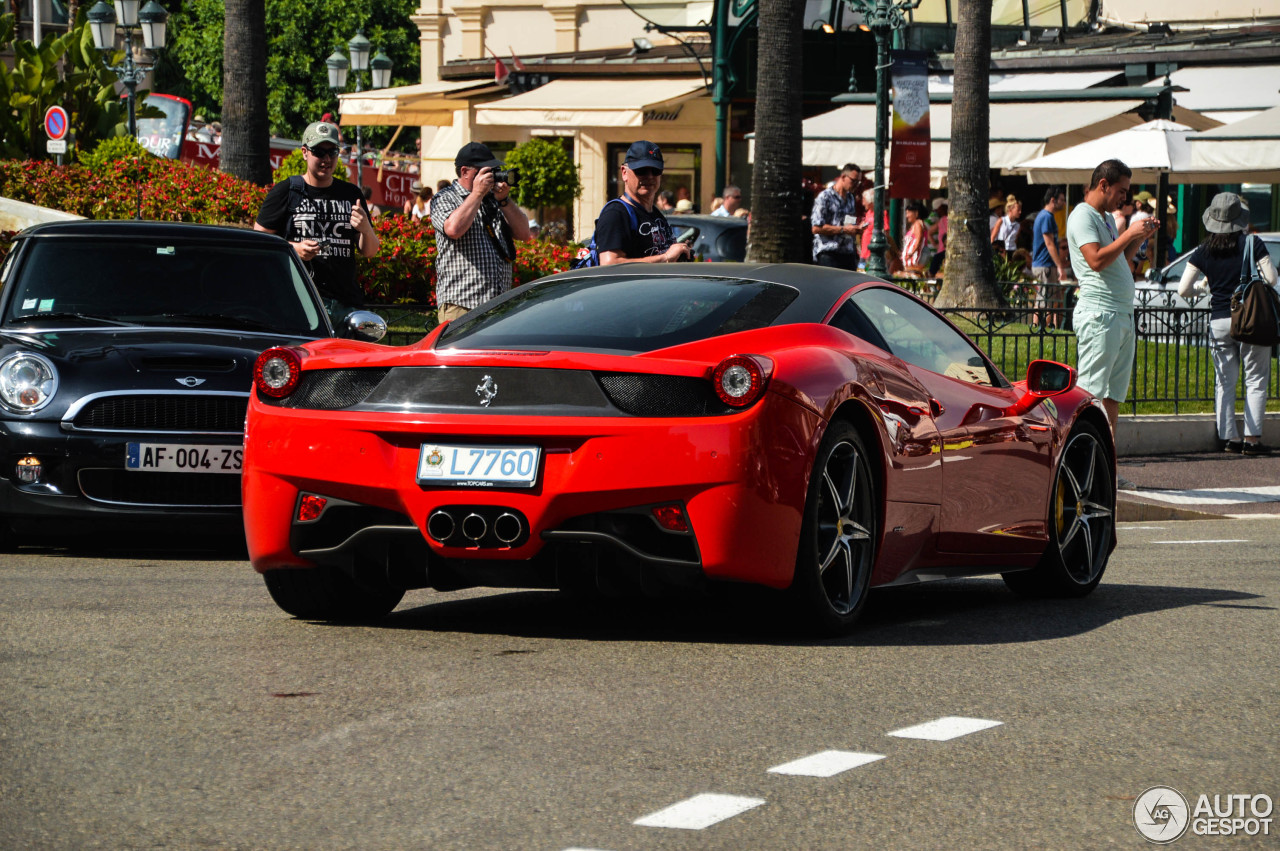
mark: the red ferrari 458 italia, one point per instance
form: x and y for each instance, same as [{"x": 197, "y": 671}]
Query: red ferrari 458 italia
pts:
[{"x": 629, "y": 428}]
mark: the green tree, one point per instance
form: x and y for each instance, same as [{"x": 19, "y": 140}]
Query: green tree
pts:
[
  {"x": 300, "y": 36},
  {"x": 548, "y": 176},
  {"x": 246, "y": 140},
  {"x": 778, "y": 202},
  {"x": 64, "y": 70},
  {"x": 969, "y": 278}
]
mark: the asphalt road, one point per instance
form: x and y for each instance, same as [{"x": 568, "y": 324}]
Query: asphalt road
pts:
[{"x": 163, "y": 701}]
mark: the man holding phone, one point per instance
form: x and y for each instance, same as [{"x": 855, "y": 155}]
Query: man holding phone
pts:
[
  {"x": 326, "y": 220},
  {"x": 1100, "y": 258}
]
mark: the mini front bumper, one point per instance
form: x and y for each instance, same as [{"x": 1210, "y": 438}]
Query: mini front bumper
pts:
[{"x": 82, "y": 475}]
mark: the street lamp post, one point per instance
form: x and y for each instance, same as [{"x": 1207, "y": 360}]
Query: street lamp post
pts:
[
  {"x": 151, "y": 19},
  {"x": 882, "y": 17},
  {"x": 380, "y": 78}
]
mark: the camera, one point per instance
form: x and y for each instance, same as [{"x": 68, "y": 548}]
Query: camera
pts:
[{"x": 507, "y": 176}]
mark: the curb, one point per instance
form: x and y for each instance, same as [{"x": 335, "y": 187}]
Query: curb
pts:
[{"x": 1131, "y": 510}]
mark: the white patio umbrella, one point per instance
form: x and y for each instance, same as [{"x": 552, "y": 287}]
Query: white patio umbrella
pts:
[
  {"x": 1251, "y": 147},
  {"x": 1152, "y": 150}
]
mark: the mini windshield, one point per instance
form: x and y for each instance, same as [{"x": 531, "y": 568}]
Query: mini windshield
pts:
[
  {"x": 627, "y": 314},
  {"x": 87, "y": 281}
]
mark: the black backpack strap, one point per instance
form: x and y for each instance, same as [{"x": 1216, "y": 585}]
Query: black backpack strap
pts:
[{"x": 297, "y": 194}]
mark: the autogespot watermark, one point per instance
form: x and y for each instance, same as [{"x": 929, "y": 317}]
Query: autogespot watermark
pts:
[{"x": 1162, "y": 815}]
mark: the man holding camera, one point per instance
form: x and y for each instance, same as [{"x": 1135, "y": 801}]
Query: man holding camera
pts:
[
  {"x": 1100, "y": 256},
  {"x": 476, "y": 225}
]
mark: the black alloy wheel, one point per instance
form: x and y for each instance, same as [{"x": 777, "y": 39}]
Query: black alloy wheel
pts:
[
  {"x": 1082, "y": 519},
  {"x": 327, "y": 594},
  {"x": 838, "y": 536}
]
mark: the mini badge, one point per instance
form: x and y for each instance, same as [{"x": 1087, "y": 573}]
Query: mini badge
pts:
[{"x": 433, "y": 463}]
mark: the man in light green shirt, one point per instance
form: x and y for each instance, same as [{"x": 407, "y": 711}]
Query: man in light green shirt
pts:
[{"x": 1100, "y": 258}]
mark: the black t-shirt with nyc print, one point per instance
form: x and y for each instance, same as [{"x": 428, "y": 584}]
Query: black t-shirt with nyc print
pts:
[{"x": 322, "y": 214}]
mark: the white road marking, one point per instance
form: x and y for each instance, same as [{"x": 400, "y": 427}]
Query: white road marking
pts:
[
  {"x": 826, "y": 764},
  {"x": 1208, "y": 541},
  {"x": 1215, "y": 496},
  {"x": 944, "y": 729},
  {"x": 700, "y": 811}
]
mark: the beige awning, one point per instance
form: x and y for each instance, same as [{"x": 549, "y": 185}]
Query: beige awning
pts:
[
  {"x": 430, "y": 104},
  {"x": 1250, "y": 148},
  {"x": 1020, "y": 130},
  {"x": 591, "y": 103}
]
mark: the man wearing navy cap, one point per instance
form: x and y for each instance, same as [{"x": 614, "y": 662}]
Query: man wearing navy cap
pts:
[
  {"x": 475, "y": 224},
  {"x": 650, "y": 239}
]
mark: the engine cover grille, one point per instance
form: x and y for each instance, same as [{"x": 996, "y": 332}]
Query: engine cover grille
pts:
[
  {"x": 330, "y": 389},
  {"x": 645, "y": 395},
  {"x": 165, "y": 412}
]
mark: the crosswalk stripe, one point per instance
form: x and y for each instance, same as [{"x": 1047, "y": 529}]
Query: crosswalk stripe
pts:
[
  {"x": 944, "y": 729},
  {"x": 826, "y": 763},
  {"x": 700, "y": 811}
]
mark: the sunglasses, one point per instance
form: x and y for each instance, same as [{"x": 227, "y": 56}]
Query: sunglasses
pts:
[
  {"x": 323, "y": 153},
  {"x": 647, "y": 172}
]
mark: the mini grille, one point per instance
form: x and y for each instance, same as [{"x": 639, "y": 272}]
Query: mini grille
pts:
[
  {"x": 165, "y": 413},
  {"x": 164, "y": 489},
  {"x": 330, "y": 389},
  {"x": 661, "y": 395}
]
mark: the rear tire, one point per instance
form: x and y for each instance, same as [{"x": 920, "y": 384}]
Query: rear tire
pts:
[
  {"x": 327, "y": 594},
  {"x": 1082, "y": 519},
  {"x": 838, "y": 536}
]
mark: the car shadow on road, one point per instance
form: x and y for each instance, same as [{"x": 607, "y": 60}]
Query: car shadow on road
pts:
[
  {"x": 963, "y": 612},
  {"x": 179, "y": 543}
]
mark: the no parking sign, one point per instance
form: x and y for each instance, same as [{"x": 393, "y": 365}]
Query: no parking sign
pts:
[{"x": 56, "y": 126}]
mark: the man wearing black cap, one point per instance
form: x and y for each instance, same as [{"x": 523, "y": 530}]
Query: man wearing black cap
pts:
[
  {"x": 649, "y": 239},
  {"x": 326, "y": 220},
  {"x": 475, "y": 224}
]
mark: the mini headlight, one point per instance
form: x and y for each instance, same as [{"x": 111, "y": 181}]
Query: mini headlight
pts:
[{"x": 27, "y": 382}]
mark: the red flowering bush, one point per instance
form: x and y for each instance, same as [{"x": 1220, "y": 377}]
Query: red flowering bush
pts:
[
  {"x": 535, "y": 259},
  {"x": 404, "y": 269},
  {"x": 164, "y": 190}
]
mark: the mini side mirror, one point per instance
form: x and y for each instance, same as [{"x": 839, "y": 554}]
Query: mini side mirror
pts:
[
  {"x": 365, "y": 325},
  {"x": 1045, "y": 378}
]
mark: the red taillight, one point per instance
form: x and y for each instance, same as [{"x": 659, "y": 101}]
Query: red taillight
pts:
[
  {"x": 671, "y": 518},
  {"x": 276, "y": 372},
  {"x": 310, "y": 507},
  {"x": 738, "y": 380}
]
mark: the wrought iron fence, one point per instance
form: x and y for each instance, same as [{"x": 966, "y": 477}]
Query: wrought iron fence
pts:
[{"x": 1172, "y": 362}]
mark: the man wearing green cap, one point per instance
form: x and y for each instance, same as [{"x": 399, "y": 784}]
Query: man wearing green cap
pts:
[{"x": 326, "y": 220}]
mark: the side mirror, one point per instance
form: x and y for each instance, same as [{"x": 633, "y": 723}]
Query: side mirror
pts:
[
  {"x": 1045, "y": 378},
  {"x": 365, "y": 325}
]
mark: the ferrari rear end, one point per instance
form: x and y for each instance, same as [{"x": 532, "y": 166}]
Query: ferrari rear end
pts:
[{"x": 450, "y": 466}]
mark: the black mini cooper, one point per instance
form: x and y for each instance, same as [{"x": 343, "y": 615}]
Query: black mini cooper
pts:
[{"x": 126, "y": 361}]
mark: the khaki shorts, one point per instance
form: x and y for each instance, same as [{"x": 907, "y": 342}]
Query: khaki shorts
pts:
[
  {"x": 1105, "y": 356},
  {"x": 449, "y": 312}
]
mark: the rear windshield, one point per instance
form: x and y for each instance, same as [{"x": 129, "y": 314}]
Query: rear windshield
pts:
[
  {"x": 630, "y": 314},
  {"x": 161, "y": 282}
]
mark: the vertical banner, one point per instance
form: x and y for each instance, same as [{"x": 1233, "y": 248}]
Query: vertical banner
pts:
[{"x": 909, "y": 156}]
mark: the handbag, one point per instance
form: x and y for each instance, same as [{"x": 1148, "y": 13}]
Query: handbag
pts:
[{"x": 1255, "y": 305}]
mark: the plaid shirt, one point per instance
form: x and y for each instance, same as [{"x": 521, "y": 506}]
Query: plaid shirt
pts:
[
  {"x": 830, "y": 209},
  {"x": 469, "y": 270}
]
